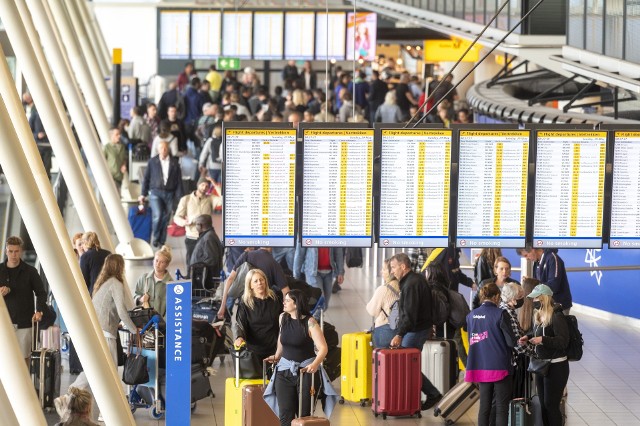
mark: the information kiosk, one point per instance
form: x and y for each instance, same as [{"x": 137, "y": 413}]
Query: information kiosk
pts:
[
  {"x": 259, "y": 184},
  {"x": 336, "y": 185}
]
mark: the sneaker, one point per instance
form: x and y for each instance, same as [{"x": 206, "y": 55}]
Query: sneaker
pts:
[
  {"x": 430, "y": 402},
  {"x": 336, "y": 288}
]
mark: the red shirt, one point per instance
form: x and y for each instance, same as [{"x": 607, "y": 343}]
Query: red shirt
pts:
[{"x": 324, "y": 259}]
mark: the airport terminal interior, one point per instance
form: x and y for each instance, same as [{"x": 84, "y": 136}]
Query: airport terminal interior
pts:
[{"x": 387, "y": 125}]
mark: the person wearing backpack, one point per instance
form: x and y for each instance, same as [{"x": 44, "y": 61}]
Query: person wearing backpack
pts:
[
  {"x": 210, "y": 160},
  {"x": 550, "y": 338},
  {"x": 414, "y": 321},
  {"x": 383, "y": 307}
]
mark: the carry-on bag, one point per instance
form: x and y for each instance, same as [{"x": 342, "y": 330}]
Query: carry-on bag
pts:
[
  {"x": 233, "y": 390},
  {"x": 355, "y": 368},
  {"x": 457, "y": 401},
  {"x": 526, "y": 411},
  {"x": 45, "y": 369},
  {"x": 397, "y": 380},
  {"x": 255, "y": 411},
  {"x": 311, "y": 420},
  {"x": 200, "y": 384},
  {"x": 440, "y": 363},
  {"x": 140, "y": 221}
]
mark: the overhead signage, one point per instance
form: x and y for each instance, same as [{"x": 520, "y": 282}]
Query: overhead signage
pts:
[
  {"x": 259, "y": 197},
  {"x": 625, "y": 191},
  {"x": 268, "y": 35},
  {"x": 415, "y": 184},
  {"x": 450, "y": 51},
  {"x": 337, "y": 193},
  {"x": 238, "y": 34},
  {"x": 331, "y": 33},
  {"x": 228, "y": 64},
  {"x": 174, "y": 37},
  {"x": 492, "y": 188},
  {"x": 569, "y": 189},
  {"x": 205, "y": 34},
  {"x": 299, "y": 33},
  {"x": 178, "y": 353}
]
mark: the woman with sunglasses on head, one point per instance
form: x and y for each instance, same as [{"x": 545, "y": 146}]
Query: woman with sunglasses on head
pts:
[
  {"x": 299, "y": 333},
  {"x": 550, "y": 338}
]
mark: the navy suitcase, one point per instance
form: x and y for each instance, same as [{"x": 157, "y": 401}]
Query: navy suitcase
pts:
[{"x": 140, "y": 221}]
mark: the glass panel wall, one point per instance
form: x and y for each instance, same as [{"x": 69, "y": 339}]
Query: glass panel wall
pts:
[
  {"x": 614, "y": 28},
  {"x": 458, "y": 9},
  {"x": 503, "y": 18},
  {"x": 632, "y": 41},
  {"x": 595, "y": 26},
  {"x": 479, "y": 12},
  {"x": 515, "y": 14},
  {"x": 575, "y": 28}
]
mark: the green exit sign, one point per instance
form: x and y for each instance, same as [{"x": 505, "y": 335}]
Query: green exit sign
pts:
[{"x": 231, "y": 64}]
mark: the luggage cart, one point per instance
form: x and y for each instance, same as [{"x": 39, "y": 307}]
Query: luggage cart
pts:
[{"x": 148, "y": 395}]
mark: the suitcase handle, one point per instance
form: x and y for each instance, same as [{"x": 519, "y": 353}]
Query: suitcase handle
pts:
[{"x": 312, "y": 392}]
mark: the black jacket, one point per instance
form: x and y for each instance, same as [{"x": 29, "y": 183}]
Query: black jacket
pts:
[
  {"x": 91, "y": 263},
  {"x": 24, "y": 284},
  {"x": 414, "y": 306},
  {"x": 153, "y": 177},
  {"x": 208, "y": 250},
  {"x": 555, "y": 337}
]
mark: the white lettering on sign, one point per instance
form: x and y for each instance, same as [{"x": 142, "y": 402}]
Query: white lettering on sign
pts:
[{"x": 177, "y": 323}]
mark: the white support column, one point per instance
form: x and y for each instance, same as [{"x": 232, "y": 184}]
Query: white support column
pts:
[
  {"x": 80, "y": 116},
  {"x": 103, "y": 57},
  {"x": 7, "y": 417},
  {"x": 91, "y": 14},
  {"x": 37, "y": 74},
  {"x": 36, "y": 202},
  {"x": 89, "y": 56},
  {"x": 15, "y": 377}
]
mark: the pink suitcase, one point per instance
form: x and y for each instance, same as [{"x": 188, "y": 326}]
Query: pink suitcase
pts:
[{"x": 397, "y": 380}]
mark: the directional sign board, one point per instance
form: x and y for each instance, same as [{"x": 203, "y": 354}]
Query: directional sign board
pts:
[{"x": 228, "y": 64}]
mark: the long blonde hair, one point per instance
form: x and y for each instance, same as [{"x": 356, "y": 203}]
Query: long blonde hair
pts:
[
  {"x": 113, "y": 268},
  {"x": 75, "y": 404},
  {"x": 544, "y": 315},
  {"x": 90, "y": 240},
  {"x": 247, "y": 296}
]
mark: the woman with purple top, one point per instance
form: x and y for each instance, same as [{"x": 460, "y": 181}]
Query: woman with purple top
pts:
[{"x": 491, "y": 340}]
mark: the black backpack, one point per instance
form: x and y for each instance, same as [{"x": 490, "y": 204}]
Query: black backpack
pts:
[
  {"x": 214, "y": 151},
  {"x": 574, "y": 349},
  {"x": 354, "y": 257},
  {"x": 440, "y": 308}
]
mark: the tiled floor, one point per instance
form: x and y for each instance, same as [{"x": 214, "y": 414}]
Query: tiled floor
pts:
[{"x": 604, "y": 387}]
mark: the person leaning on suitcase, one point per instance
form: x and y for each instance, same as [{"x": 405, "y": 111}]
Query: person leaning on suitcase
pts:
[
  {"x": 414, "y": 322},
  {"x": 19, "y": 281},
  {"x": 491, "y": 339}
]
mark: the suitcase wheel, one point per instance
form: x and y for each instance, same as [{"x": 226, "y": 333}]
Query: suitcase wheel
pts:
[
  {"x": 155, "y": 415},
  {"x": 448, "y": 422},
  {"x": 436, "y": 412},
  {"x": 384, "y": 416},
  {"x": 363, "y": 402},
  {"x": 419, "y": 415},
  {"x": 341, "y": 401},
  {"x": 193, "y": 406}
]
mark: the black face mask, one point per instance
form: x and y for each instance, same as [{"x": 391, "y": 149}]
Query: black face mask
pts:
[
  {"x": 519, "y": 303},
  {"x": 537, "y": 304}
]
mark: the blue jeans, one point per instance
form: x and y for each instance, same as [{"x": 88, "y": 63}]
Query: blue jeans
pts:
[
  {"x": 161, "y": 204},
  {"x": 324, "y": 281},
  {"x": 382, "y": 336},
  {"x": 284, "y": 252},
  {"x": 306, "y": 258},
  {"x": 416, "y": 339}
]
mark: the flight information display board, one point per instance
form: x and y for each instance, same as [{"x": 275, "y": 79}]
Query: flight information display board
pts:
[
  {"x": 205, "y": 34},
  {"x": 492, "y": 188},
  {"x": 299, "y": 33},
  {"x": 336, "y": 192},
  {"x": 237, "y": 28},
  {"x": 268, "y": 35},
  {"x": 415, "y": 184},
  {"x": 569, "y": 190},
  {"x": 332, "y": 33},
  {"x": 174, "y": 34},
  {"x": 259, "y": 182},
  {"x": 625, "y": 193}
]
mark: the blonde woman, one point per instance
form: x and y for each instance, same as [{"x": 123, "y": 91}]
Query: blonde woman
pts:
[
  {"x": 379, "y": 307},
  {"x": 550, "y": 338},
  {"x": 74, "y": 408},
  {"x": 151, "y": 288},
  {"x": 92, "y": 260},
  {"x": 257, "y": 316}
]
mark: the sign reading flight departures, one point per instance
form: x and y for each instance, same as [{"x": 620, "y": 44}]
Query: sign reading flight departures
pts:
[
  {"x": 415, "y": 184},
  {"x": 492, "y": 188},
  {"x": 337, "y": 196},
  {"x": 569, "y": 190},
  {"x": 625, "y": 197},
  {"x": 259, "y": 182}
]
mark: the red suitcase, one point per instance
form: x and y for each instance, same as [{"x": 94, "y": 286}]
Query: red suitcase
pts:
[{"x": 397, "y": 380}]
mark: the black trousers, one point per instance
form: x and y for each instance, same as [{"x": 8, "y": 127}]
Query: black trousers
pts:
[
  {"x": 190, "y": 244},
  {"x": 498, "y": 393},
  {"x": 288, "y": 393},
  {"x": 550, "y": 390}
]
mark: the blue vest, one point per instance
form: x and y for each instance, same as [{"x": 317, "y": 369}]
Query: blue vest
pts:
[{"x": 489, "y": 358}]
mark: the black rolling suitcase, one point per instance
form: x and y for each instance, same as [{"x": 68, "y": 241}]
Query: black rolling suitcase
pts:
[
  {"x": 526, "y": 411},
  {"x": 200, "y": 384},
  {"x": 45, "y": 369}
]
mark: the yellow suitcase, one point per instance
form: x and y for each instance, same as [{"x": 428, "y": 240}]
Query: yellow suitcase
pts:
[
  {"x": 355, "y": 368},
  {"x": 465, "y": 343},
  {"x": 233, "y": 399}
]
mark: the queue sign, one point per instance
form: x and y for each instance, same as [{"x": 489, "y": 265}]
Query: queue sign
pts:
[
  {"x": 625, "y": 192},
  {"x": 569, "y": 189},
  {"x": 336, "y": 193},
  {"x": 259, "y": 197},
  {"x": 415, "y": 185},
  {"x": 492, "y": 188}
]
